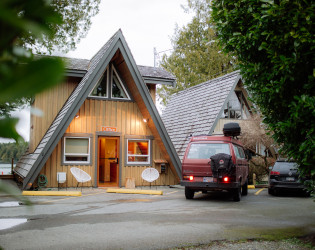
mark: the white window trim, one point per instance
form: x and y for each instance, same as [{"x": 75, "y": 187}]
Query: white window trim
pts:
[
  {"x": 148, "y": 155},
  {"x": 65, "y": 162},
  {"x": 122, "y": 85}
]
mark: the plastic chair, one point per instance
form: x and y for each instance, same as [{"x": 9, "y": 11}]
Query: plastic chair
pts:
[
  {"x": 150, "y": 175},
  {"x": 81, "y": 176},
  {"x": 61, "y": 178}
]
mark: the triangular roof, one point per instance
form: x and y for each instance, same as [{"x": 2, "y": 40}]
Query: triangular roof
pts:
[
  {"x": 196, "y": 110},
  {"x": 30, "y": 165}
]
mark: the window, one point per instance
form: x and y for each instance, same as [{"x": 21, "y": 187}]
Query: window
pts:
[
  {"x": 206, "y": 150},
  {"x": 239, "y": 152},
  {"x": 100, "y": 89},
  {"x": 110, "y": 86},
  {"x": 138, "y": 151},
  {"x": 118, "y": 90},
  {"x": 236, "y": 107},
  {"x": 76, "y": 150}
]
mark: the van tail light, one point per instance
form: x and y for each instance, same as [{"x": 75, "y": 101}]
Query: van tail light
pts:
[
  {"x": 274, "y": 173},
  {"x": 188, "y": 177},
  {"x": 226, "y": 179}
]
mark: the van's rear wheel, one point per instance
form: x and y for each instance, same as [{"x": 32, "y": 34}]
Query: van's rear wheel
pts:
[
  {"x": 245, "y": 188},
  {"x": 237, "y": 193},
  {"x": 189, "y": 194}
]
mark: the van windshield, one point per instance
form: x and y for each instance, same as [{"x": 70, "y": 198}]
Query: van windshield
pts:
[{"x": 206, "y": 150}]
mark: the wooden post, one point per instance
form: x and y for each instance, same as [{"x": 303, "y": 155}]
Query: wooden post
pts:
[{"x": 254, "y": 179}]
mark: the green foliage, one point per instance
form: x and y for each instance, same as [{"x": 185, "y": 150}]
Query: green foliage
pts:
[
  {"x": 274, "y": 43},
  {"x": 40, "y": 28},
  {"x": 12, "y": 150},
  {"x": 196, "y": 57},
  {"x": 75, "y": 23},
  {"x": 21, "y": 75}
]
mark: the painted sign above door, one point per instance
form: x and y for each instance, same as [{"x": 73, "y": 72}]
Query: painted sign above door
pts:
[{"x": 108, "y": 129}]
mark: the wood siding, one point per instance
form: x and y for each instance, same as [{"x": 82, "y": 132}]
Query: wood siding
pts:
[
  {"x": 49, "y": 103},
  {"x": 219, "y": 127},
  {"x": 128, "y": 120}
]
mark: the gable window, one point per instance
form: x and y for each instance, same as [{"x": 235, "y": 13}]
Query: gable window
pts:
[
  {"x": 118, "y": 89},
  {"x": 76, "y": 150},
  {"x": 138, "y": 152},
  {"x": 100, "y": 89},
  {"x": 110, "y": 86},
  {"x": 236, "y": 107}
]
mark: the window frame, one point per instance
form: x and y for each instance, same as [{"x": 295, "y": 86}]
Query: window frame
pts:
[
  {"x": 150, "y": 150},
  {"x": 121, "y": 83},
  {"x": 88, "y": 155},
  {"x": 239, "y": 152},
  {"x": 110, "y": 69},
  {"x": 107, "y": 86}
]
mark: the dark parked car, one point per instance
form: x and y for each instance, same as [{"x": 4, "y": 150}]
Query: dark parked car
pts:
[{"x": 284, "y": 176}]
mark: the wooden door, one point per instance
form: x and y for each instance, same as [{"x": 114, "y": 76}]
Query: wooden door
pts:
[{"x": 108, "y": 161}]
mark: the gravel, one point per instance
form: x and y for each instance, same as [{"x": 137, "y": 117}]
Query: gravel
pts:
[{"x": 253, "y": 245}]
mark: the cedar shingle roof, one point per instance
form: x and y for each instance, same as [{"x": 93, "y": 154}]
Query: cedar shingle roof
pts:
[
  {"x": 149, "y": 74},
  {"x": 155, "y": 72},
  {"x": 195, "y": 111}
]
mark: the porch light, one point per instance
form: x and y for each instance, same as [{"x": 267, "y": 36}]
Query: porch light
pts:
[{"x": 76, "y": 116}]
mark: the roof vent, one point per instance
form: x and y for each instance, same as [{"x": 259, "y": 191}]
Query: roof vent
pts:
[{"x": 231, "y": 129}]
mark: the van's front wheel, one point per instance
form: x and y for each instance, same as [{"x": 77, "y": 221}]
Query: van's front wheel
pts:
[{"x": 189, "y": 194}]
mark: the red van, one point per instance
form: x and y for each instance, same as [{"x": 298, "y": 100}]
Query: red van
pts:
[{"x": 216, "y": 163}]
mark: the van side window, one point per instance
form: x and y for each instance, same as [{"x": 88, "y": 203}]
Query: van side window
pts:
[{"x": 239, "y": 152}]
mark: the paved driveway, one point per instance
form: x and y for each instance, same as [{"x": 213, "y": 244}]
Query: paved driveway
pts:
[{"x": 100, "y": 220}]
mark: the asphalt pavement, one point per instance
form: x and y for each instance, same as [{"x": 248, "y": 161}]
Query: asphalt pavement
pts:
[{"x": 101, "y": 220}]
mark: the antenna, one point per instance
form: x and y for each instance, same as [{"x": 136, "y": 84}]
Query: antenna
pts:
[{"x": 156, "y": 58}]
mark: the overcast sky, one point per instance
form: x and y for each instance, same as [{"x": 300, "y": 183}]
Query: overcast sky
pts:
[{"x": 145, "y": 24}]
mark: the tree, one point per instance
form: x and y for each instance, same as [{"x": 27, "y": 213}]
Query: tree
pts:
[
  {"x": 22, "y": 75},
  {"x": 254, "y": 134},
  {"x": 70, "y": 22},
  {"x": 12, "y": 150},
  {"x": 274, "y": 43},
  {"x": 76, "y": 21},
  {"x": 196, "y": 57}
]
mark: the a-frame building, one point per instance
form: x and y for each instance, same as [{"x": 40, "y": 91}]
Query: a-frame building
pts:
[{"x": 103, "y": 120}]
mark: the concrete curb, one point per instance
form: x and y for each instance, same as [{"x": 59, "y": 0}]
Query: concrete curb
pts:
[
  {"x": 251, "y": 187},
  {"x": 52, "y": 193},
  {"x": 133, "y": 191}
]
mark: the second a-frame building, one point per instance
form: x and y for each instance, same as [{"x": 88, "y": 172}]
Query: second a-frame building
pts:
[{"x": 103, "y": 120}]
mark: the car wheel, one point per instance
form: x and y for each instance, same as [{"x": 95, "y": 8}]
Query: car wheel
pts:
[
  {"x": 276, "y": 192},
  {"x": 237, "y": 193},
  {"x": 189, "y": 194},
  {"x": 245, "y": 188},
  {"x": 270, "y": 191}
]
